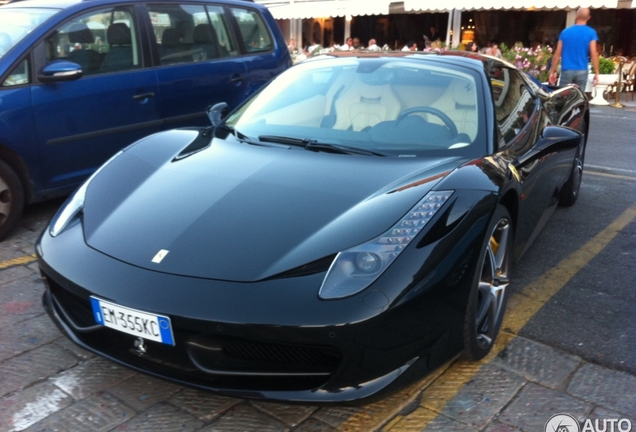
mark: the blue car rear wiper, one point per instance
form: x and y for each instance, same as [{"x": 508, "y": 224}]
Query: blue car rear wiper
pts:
[{"x": 311, "y": 144}]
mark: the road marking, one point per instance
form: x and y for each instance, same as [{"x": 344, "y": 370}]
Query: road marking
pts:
[
  {"x": 18, "y": 261},
  {"x": 521, "y": 307},
  {"x": 604, "y": 168},
  {"x": 614, "y": 176}
]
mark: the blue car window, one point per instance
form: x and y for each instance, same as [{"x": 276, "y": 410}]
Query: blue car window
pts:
[
  {"x": 100, "y": 42},
  {"x": 174, "y": 30},
  {"x": 19, "y": 75},
  {"x": 254, "y": 33},
  {"x": 189, "y": 33},
  {"x": 219, "y": 24}
]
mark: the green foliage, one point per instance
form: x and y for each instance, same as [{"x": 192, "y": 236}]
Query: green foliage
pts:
[{"x": 606, "y": 66}]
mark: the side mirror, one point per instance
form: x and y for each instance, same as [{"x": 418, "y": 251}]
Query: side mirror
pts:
[
  {"x": 61, "y": 70},
  {"x": 553, "y": 138},
  {"x": 215, "y": 113}
]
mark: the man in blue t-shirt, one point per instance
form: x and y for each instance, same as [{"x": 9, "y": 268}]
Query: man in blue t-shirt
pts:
[{"x": 577, "y": 44}]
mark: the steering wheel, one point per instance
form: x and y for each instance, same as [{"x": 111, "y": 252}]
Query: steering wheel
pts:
[{"x": 437, "y": 113}]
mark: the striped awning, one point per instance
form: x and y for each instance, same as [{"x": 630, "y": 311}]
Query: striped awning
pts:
[
  {"x": 330, "y": 8},
  {"x": 434, "y": 6}
]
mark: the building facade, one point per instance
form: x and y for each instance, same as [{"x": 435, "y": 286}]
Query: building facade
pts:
[{"x": 528, "y": 22}]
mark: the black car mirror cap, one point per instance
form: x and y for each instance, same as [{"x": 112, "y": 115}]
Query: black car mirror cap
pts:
[
  {"x": 559, "y": 133},
  {"x": 558, "y": 137},
  {"x": 61, "y": 70},
  {"x": 216, "y": 112},
  {"x": 553, "y": 138}
]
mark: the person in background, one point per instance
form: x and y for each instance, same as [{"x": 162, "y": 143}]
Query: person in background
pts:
[
  {"x": 293, "y": 49},
  {"x": 577, "y": 44},
  {"x": 372, "y": 46},
  {"x": 433, "y": 35},
  {"x": 410, "y": 46},
  {"x": 494, "y": 50},
  {"x": 472, "y": 47},
  {"x": 313, "y": 46},
  {"x": 356, "y": 43},
  {"x": 348, "y": 44},
  {"x": 426, "y": 42}
]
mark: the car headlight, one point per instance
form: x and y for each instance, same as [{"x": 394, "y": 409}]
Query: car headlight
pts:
[
  {"x": 74, "y": 204},
  {"x": 355, "y": 269}
]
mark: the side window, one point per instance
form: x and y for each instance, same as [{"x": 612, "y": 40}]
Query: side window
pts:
[
  {"x": 100, "y": 42},
  {"x": 19, "y": 75},
  {"x": 514, "y": 104},
  {"x": 220, "y": 26},
  {"x": 173, "y": 26},
  {"x": 253, "y": 30},
  {"x": 189, "y": 33}
]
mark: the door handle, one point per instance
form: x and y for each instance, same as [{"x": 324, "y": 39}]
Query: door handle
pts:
[
  {"x": 237, "y": 78},
  {"x": 143, "y": 96}
]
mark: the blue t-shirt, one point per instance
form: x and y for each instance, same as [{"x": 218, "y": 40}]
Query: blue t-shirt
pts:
[{"x": 576, "y": 47}]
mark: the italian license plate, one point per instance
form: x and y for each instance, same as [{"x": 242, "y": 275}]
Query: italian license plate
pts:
[{"x": 137, "y": 323}]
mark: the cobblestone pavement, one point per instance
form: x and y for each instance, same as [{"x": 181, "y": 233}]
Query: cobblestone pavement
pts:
[{"x": 47, "y": 383}]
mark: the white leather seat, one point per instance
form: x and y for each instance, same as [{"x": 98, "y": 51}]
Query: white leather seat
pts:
[
  {"x": 459, "y": 102},
  {"x": 363, "y": 105}
]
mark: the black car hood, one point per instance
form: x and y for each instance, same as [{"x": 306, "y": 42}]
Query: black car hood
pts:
[{"x": 239, "y": 212}]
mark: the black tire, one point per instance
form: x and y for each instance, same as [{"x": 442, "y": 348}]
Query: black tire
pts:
[
  {"x": 11, "y": 199},
  {"x": 570, "y": 190},
  {"x": 487, "y": 298}
]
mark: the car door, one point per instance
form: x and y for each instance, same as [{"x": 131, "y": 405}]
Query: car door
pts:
[
  {"x": 264, "y": 57},
  {"x": 539, "y": 173},
  {"x": 198, "y": 62},
  {"x": 81, "y": 123}
]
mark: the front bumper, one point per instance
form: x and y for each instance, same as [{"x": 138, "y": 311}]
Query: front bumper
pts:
[{"x": 273, "y": 339}]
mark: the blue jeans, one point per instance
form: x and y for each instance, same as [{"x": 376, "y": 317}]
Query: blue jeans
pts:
[{"x": 574, "y": 77}]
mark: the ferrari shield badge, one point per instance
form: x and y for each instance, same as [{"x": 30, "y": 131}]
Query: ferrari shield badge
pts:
[{"x": 160, "y": 256}]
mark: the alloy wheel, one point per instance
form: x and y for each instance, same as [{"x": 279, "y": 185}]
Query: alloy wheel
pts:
[{"x": 492, "y": 285}]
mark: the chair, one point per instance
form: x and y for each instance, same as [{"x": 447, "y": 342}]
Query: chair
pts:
[
  {"x": 364, "y": 105},
  {"x": 170, "y": 40},
  {"x": 629, "y": 84},
  {"x": 120, "y": 55},
  {"x": 206, "y": 45},
  {"x": 88, "y": 59},
  {"x": 459, "y": 102}
]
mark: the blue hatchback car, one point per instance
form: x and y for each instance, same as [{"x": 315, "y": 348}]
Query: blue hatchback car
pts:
[{"x": 79, "y": 80}]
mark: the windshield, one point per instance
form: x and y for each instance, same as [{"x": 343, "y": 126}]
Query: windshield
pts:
[
  {"x": 16, "y": 23},
  {"x": 395, "y": 106}
]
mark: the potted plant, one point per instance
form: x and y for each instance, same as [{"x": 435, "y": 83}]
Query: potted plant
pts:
[
  {"x": 606, "y": 77},
  {"x": 606, "y": 66}
]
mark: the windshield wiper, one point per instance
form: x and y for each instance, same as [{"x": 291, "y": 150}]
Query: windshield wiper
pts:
[
  {"x": 247, "y": 140},
  {"x": 338, "y": 148},
  {"x": 311, "y": 144},
  {"x": 284, "y": 140}
]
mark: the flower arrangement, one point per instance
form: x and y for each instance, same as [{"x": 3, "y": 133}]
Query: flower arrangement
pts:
[{"x": 532, "y": 61}]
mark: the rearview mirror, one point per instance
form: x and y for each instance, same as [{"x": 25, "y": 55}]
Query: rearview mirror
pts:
[
  {"x": 215, "y": 113},
  {"x": 553, "y": 138}
]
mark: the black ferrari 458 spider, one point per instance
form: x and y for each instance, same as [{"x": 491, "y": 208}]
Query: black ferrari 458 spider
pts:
[{"x": 343, "y": 232}]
